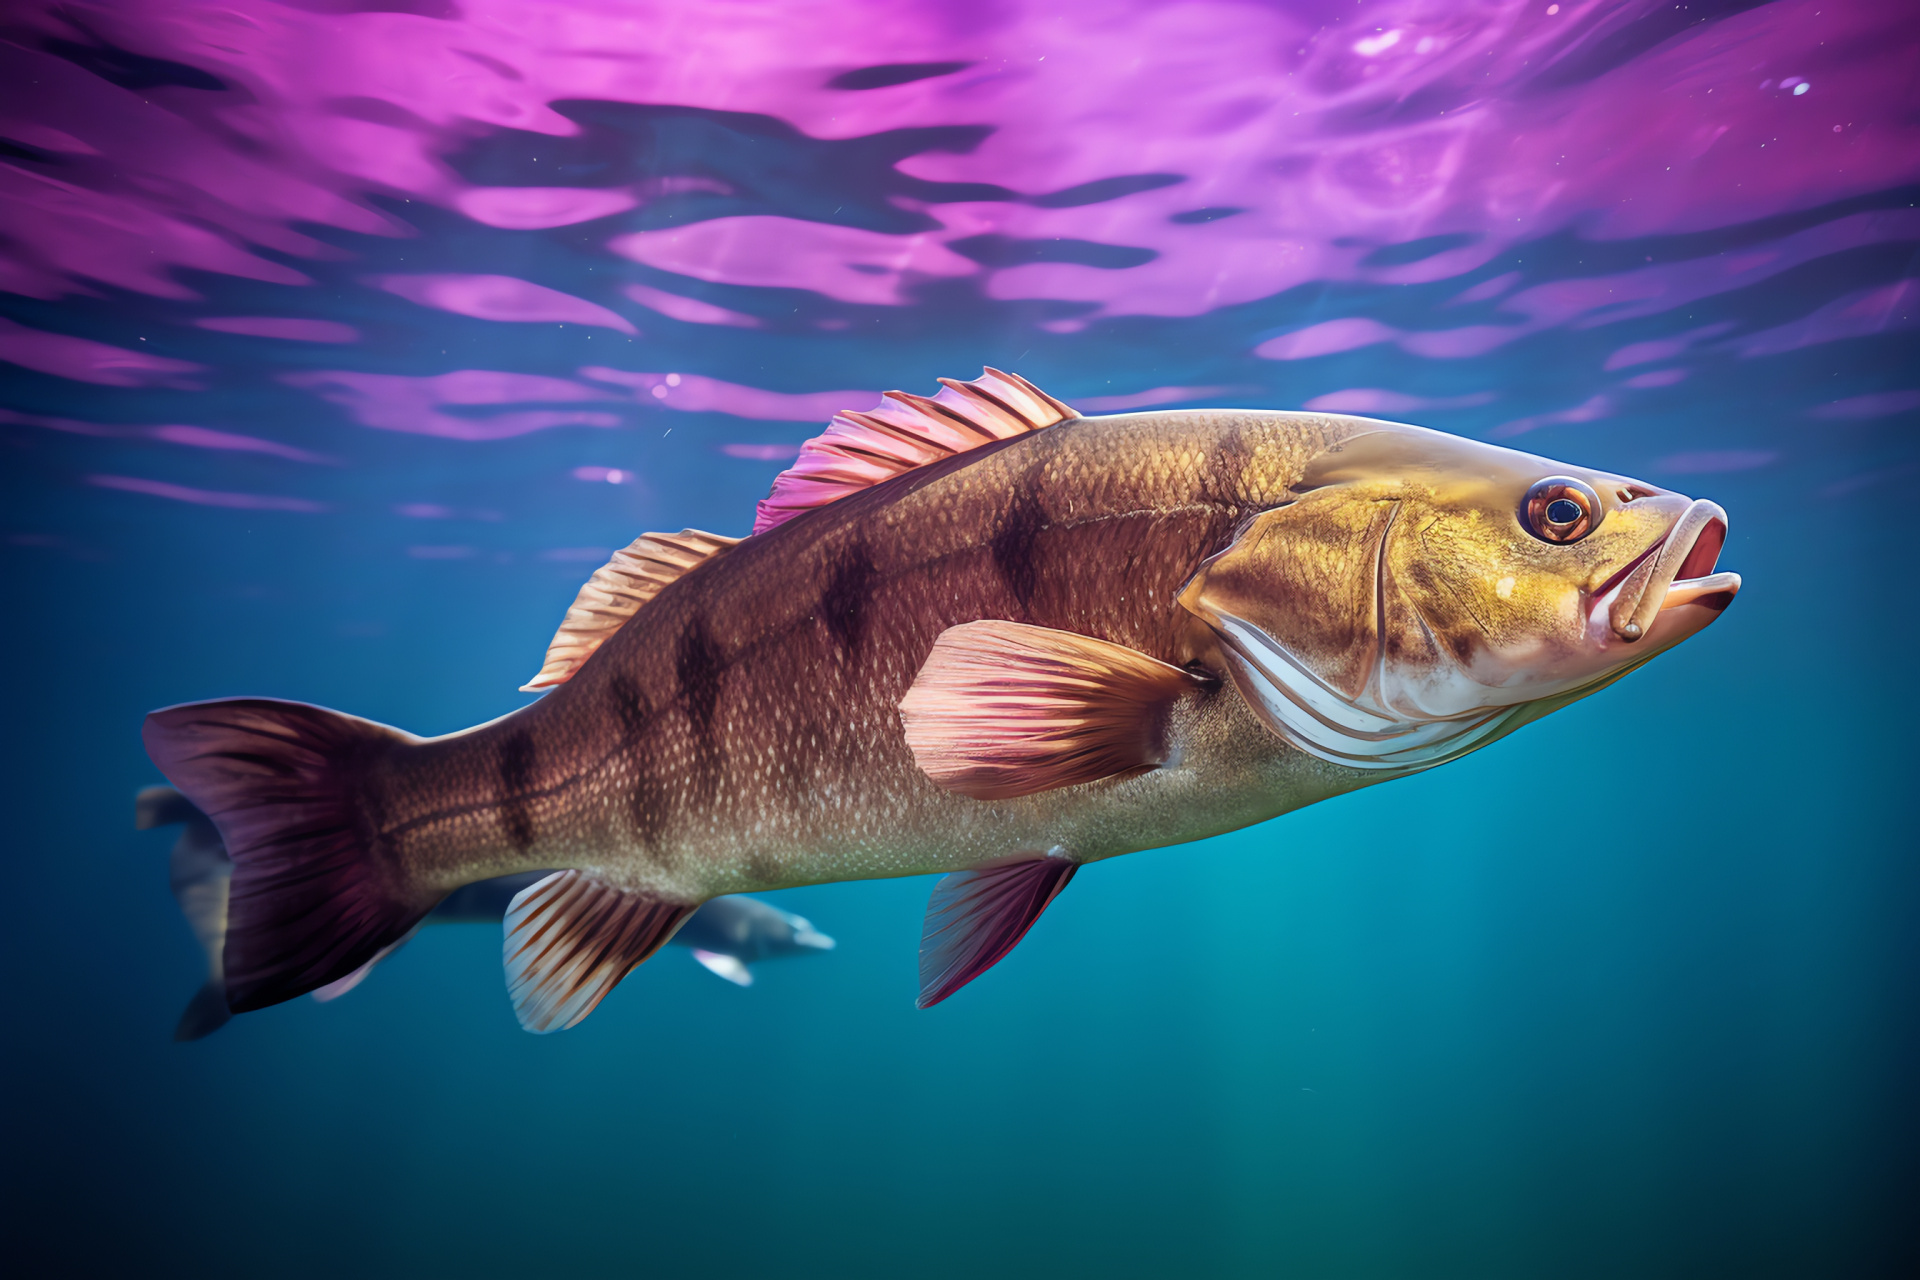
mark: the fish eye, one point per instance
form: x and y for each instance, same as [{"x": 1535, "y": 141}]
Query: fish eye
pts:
[{"x": 1560, "y": 509}]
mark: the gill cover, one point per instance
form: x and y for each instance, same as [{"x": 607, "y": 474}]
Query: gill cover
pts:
[{"x": 1307, "y": 602}]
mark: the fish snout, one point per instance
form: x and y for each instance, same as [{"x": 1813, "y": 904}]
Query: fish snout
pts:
[
  {"x": 1678, "y": 575},
  {"x": 801, "y": 935}
]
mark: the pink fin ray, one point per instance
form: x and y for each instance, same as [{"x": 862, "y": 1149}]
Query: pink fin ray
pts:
[
  {"x": 636, "y": 574},
  {"x": 975, "y": 917},
  {"x": 569, "y": 941},
  {"x": 859, "y": 450},
  {"x": 1004, "y": 709}
]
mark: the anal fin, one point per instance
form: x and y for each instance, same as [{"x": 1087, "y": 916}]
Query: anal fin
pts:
[
  {"x": 975, "y": 917},
  {"x": 569, "y": 941},
  {"x": 1003, "y": 709}
]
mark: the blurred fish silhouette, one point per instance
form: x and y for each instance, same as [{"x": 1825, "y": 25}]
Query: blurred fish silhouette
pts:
[
  {"x": 725, "y": 935},
  {"x": 975, "y": 634}
]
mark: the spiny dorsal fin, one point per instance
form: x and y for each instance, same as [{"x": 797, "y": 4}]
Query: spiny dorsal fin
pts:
[
  {"x": 618, "y": 588},
  {"x": 1004, "y": 709},
  {"x": 569, "y": 941},
  {"x": 859, "y": 450}
]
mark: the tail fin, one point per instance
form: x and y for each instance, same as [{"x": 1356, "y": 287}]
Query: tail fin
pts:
[
  {"x": 205, "y": 1014},
  {"x": 311, "y": 900},
  {"x": 198, "y": 872},
  {"x": 161, "y": 807}
]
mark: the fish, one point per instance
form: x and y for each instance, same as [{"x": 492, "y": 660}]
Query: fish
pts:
[
  {"x": 977, "y": 635},
  {"x": 198, "y": 871},
  {"x": 724, "y": 935}
]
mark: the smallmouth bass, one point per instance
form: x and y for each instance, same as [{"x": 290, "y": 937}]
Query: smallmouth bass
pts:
[{"x": 975, "y": 634}]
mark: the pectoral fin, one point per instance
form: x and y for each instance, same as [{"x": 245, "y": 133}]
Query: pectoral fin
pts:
[
  {"x": 1002, "y": 709},
  {"x": 975, "y": 917},
  {"x": 570, "y": 939},
  {"x": 721, "y": 965}
]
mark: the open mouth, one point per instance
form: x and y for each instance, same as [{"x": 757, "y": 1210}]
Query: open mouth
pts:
[{"x": 1679, "y": 571}]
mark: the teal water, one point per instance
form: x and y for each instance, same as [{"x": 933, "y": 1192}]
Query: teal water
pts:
[{"x": 1632, "y": 992}]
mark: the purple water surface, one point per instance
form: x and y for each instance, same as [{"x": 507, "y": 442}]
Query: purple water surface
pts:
[{"x": 492, "y": 220}]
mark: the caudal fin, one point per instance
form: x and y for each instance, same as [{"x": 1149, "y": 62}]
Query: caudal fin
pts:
[
  {"x": 198, "y": 871},
  {"x": 311, "y": 899},
  {"x": 161, "y": 807},
  {"x": 205, "y": 1014}
]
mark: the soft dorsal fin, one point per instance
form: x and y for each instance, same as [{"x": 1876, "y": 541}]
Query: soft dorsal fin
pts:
[
  {"x": 569, "y": 941},
  {"x": 1004, "y": 709},
  {"x": 617, "y": 589},
  {"x": 859, "y": 450}
]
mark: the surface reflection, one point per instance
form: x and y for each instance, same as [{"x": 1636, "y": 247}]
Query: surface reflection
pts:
[{"x": 203, "y": 197}]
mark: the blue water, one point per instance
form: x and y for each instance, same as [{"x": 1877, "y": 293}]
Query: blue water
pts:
[{"x": 1630, "y": 993}]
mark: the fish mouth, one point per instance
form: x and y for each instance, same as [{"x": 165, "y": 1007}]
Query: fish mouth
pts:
[
  {"x": 805, "y": 935},
  {"x": 1678, "y": 572}
]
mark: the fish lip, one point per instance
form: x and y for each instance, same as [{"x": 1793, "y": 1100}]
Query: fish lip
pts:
[
  {"x": 1715, "y": 591},
  {"x": 1680, "y": 569}
]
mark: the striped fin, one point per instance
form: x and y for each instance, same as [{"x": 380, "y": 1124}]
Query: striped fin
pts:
[
  {"x": 569, "y": 941},
  {"x": 859, "y": 450},
  {"x": 617, "y": 589}
]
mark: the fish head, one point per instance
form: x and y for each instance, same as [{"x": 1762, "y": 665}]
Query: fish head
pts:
[
  {"x": 1423, "y": 594},
  {"x": 800, "y": 935}
]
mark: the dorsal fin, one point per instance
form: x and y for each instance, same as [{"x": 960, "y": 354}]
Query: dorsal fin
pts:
[
  {"x": 617, "y": 589},
  {"x": 859, "y": 450}
]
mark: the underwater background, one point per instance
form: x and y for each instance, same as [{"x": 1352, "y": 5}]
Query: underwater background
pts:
[{"x": 341, "y": 340}]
